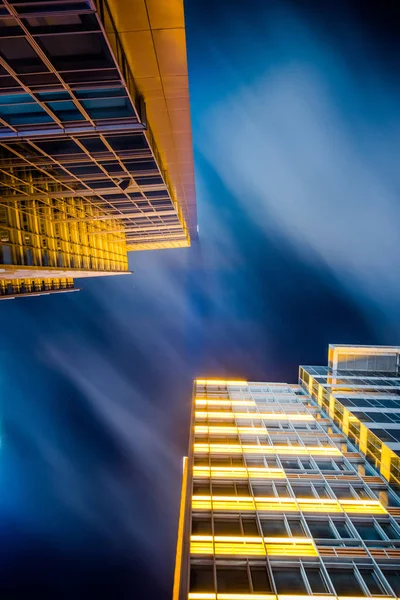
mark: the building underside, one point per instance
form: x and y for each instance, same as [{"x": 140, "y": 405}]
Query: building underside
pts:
[{"x": 83, "y": 176}]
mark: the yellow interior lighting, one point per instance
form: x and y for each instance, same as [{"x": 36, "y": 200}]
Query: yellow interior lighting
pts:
[
  {"x": 223, "y": 402},
  {"x": 363, "y": 507},
  {"x": 265, "y": 449},
  {"x": 212, "y": 596},
  {"x": 274, "y": 504},
  {"x": 322, "y": 505},
  {"x": 239, "y": 472},
  {"x": 220, "y": 382},
  {"x": 300, "y": 546},
  {"x": 225, "y": 429},
  {"x": 251, "y": 546},
  {"x": 243, "y": 503},
  {"x": 254, "y": 415}
]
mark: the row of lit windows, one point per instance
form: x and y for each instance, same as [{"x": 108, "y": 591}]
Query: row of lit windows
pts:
[
  {"x": 299, "y": 490},
  {"x": 253, "y": 412},
  {"x": 301, "y": 579},
  {"x": 279, "y": 448},
  {"x": 293, "y": 464},
  {"x": 270, "y": 438},
  {"x": 374, "y": 438},
  {"x": 287, "y": 504},
  {"x": 328, "y": 528}
]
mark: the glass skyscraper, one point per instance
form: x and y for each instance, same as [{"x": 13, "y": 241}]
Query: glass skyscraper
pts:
[
  {"x": 279, "y": 499},
  {"x": 95, "y": 139}
]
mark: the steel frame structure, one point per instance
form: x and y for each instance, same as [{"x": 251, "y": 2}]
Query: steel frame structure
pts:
[{"x": 80, "y": 171}]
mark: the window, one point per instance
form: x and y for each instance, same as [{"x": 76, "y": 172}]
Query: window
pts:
[
  {"x": 326, "y": 465},
  {"x": 372, "y": 581},
  {"x": 273, "y": 527},
  {"x": 289, "y": 581},
  {"x": 260, "y": 579},
  {"x": 389, "y": 530},
  {"x": 201, "y": 526},
  {"x": 201, "y": 578},
  {"x": 231, "y": 580},
  {"x": 296, "y": 527},
  {"x": 345, "y": 582},
  {"x": 201, "y": 489},
  {"x": 227, "y": 489},
  {"x": 343, "y": 530},
  {"x": 265, "y": 490},
  {"x": 227, "y": 526},
  {"x": 250, "y": 526},
  {"x": 282, "y": 490},
  {"x": 367, "y": 531},
  {"x": 303, "y": 491},
  {"x": 316, "y": 580},
  {"x": 290, "y": 464},
  {"x": 393, "y": 577},
  {"x": 343, "y": 492},
  {"x": 321, "y": 529}
]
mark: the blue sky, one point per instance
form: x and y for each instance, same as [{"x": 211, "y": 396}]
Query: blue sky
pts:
[{"x": 296, "y": 129}]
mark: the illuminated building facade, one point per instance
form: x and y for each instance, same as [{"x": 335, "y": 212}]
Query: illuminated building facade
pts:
[
  {"x": 360, "y": 391},
  {"x": 95, "y": 139},
  {"x": 278, "y": 504}
]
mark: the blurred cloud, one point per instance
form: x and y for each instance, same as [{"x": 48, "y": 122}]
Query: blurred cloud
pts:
[{"x": 307, "y": 149}]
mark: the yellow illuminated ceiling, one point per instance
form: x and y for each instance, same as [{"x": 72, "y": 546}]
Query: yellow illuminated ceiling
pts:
[
  {"x": 265, "y": 449},
  {"x": 239, "y": 472},
  {"x": 253, "y": 415},
  {"x": 252, "y": 546},
  {"x": 153, "y": 36},
  {"x": 274, "y": 504}
]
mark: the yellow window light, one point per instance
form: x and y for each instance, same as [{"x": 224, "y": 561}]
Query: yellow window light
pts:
[
  {"x": 363, "y": 507},
  {"x": 246, "y": 597},
  {"x": 322, "y": 505},
  {"x": 223, "y": 402},
  {"x": 301, "y": 597},
  {"x": 254, "y": 415},
  {"x": 252, "y": 546},
  {"x": 300, "y": 546},
  {"x": 211, "y": 596},
  {"x": 265, "y": 449},
  {"x": 220, "y": 382},
  {"x": 225, "y": 429},
  {"x": 274, "y": 504},
  {"x": 239, "y": 472},
  {"x": 244, "y": 503}
]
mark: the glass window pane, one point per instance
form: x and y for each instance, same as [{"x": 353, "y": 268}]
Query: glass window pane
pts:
[
  {"x": 371, "y": 579},
  {"x": 201, "y": 526},
  {"x": 296, "y": 527},
  {"x": 201, "y": 578},
  {"x": 345, "y": 582},
  {"x": 316, "y": 581},
  {"x": 227, "y": 526},
  {"x": 321, "y": 529},
  {"x": 250, "y": 526},
  {"x": 343, "y": 530},
  {"x": 273, "y": 527},
  {"x": 231, "y": 580},
  {"x": 367, "y": 531},
  {"x": 260, "y": 579},
  {"x": 289, "y": 581},
  {"x": 389, "y": 530},
  {"x": 393, "y": 577}
]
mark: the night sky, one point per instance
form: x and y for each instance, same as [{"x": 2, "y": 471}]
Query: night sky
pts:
[{"x": 296, "y": 125}]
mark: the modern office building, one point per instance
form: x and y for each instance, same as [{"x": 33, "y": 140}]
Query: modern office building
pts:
[
  {"x": 360, "y": 391},
  {"x": 278, "y": 503},
  {"x": 95, "y": 138}
]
